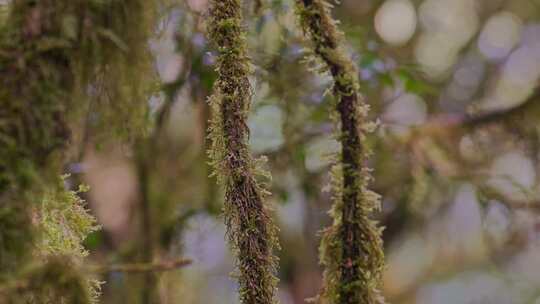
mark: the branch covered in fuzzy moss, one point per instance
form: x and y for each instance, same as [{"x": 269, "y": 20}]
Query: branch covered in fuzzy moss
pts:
[
  {"x": 250, "y": 227},
  {"x": 57, "y": 281},
  {"x": 53, "y": 53},
  {"x": 351, "y": 249}
]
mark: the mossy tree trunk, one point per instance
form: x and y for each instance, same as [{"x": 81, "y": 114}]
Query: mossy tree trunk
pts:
[{"x": 52, "y": 52}]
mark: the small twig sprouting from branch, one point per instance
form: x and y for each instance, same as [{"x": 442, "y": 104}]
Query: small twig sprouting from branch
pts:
[{"x": 160, "y": 266}]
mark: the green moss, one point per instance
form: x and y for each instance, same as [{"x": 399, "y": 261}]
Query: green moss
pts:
[
  {"x": 351, "y": 249},
  {"x": 250, "y": 228},
  {"x": 63, "y": 222},
  {"x": 57, "y": 281},
  {"x": 61, "y": 60}
]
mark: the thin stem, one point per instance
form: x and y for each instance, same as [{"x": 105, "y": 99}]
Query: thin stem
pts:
[
  {"x": 352, "y": 248},
  {"x": 250, "y": 228}
]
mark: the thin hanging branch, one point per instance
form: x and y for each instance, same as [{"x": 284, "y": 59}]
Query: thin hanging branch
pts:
[
  {"x": 250, "y": 228},
  {"x": 351, "y": 249}
]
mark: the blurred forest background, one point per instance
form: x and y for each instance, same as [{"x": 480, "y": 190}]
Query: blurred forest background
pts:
[{"x": 454, "y": 87}]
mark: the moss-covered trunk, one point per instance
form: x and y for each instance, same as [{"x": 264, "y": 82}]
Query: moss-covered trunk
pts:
[{"x": 53, "y": 54}]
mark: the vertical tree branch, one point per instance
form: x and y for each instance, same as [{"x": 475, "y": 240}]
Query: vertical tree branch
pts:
[
  {"x": 250, "y": 228},
  {"x": 147, "y": 223},
  {"x": 351, "y": 250}
]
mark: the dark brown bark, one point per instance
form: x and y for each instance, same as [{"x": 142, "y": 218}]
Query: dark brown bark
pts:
[
  {"x": 353, "y": 243},
  {"x": 250, "y": 228}
]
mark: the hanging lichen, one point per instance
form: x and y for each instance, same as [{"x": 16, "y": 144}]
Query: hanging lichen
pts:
[
  {"x": 351, "y": 249},
  {"x": 250, "y": 228},
  {"x": 54, "y": 54}
]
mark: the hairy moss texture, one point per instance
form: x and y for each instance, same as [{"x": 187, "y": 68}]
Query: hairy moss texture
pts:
[
  {"x": 59, "y": 61},
  {"x": 250, "y": 228},
  {"x": 351, "y": 249}
]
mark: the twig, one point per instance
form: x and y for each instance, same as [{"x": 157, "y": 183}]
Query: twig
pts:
[
  {"x": 160, "y": 266},
  {"x": 451, "y": 122}
]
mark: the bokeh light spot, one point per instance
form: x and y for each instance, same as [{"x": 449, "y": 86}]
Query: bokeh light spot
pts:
[
  {"x": 500, "y": 34},
  {"x": 395, "y": 21}
]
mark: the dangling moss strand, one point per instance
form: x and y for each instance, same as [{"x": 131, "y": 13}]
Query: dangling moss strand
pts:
[
  {"x": 351, "y": 249},
  {"x": 250, "y": 228}
]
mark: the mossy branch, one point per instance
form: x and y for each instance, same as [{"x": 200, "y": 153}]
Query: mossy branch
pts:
[
  {"x": 56, "y": 281},
  {"x": 250, "y": 228},
  {"x": 351, "y": 249},
  {"x": 159, "y": 266}
]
